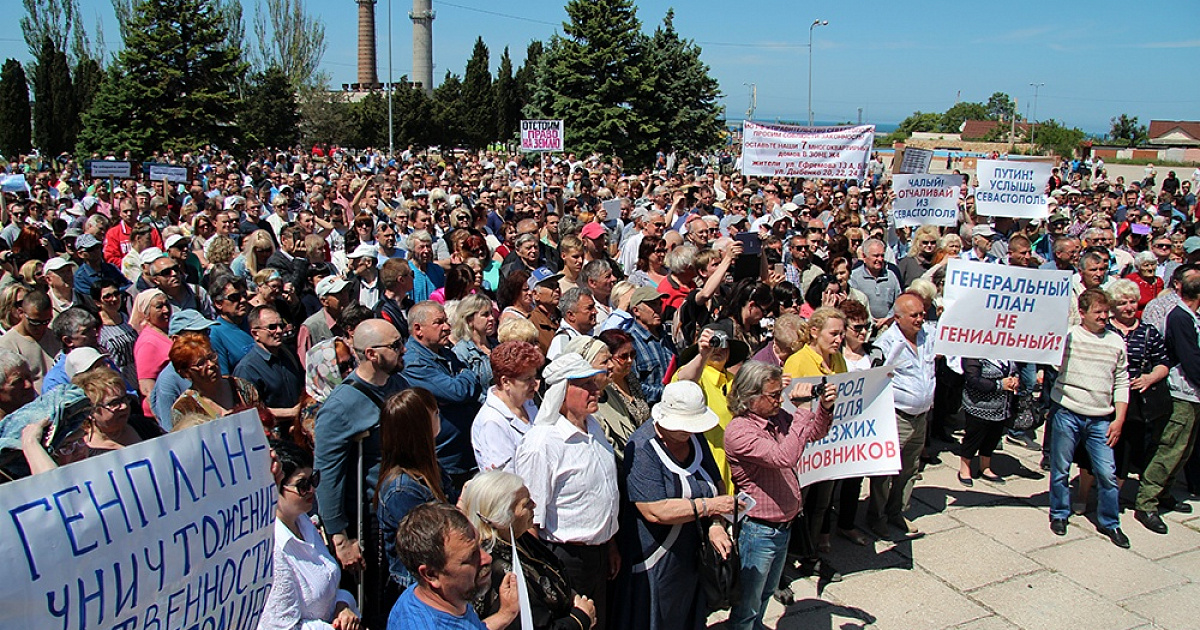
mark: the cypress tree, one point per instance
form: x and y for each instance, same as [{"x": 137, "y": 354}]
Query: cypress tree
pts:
[
  {"x": 507, "y": 100},
  {"x": 448, "y": 113},
  {"x": 15, "y": 116},
  {"x": 478, "y": 107},
  {"x": 55, "y": 112},
  {"x": 685, "y": 103}
]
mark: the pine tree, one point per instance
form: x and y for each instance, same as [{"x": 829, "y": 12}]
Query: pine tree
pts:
[
  {"x": 595, "y": 79},
  {"x": 414, "y": 123},
  {"x": 685, "y": 102},
  {"x": 478, "y": 106},
  {"x": 181, "y": 68},
  {"x": 368, "y": 122},
  {"x": 448, "y": 112},
  {"x": 269, "y": 118},
  {"x": 506, "y": 99},
  {"x": 54, "y": 105},
  {"x": 16, "y": 133}
]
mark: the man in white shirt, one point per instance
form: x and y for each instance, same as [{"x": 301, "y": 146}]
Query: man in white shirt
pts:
[
  {"x": 655, "y": 224},
  {"x": 570, "y": 470},
  {"x": 578, "y": 309}
]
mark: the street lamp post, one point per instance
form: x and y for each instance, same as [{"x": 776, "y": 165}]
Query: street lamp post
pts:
[
  {"x": 753, "y": 100},
  {"x": 1033, "y": 121},
  {"x": 390, "y": 87},
  {"x": 815, "y": 24}
]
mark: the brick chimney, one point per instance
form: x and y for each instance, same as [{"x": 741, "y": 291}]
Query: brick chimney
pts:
[{"x": 367, "y": 75}]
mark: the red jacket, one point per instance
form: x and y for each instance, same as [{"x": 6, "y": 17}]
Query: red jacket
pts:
[{"x": 116, "y": 242}]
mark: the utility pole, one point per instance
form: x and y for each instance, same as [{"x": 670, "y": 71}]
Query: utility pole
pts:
[
  {"x": 815, "y": 24},
  {"x": 860, "y": 115},
  {"x": 390, "y": 88},
  {"x": 753, "y": 100},
  {"x": 1033, "y": 121}
]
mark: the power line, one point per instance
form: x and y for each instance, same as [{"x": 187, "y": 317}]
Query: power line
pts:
[{"x": 497, "y": 13}]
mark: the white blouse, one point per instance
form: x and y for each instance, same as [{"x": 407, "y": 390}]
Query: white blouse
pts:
[{"x": 304, "y": 592}]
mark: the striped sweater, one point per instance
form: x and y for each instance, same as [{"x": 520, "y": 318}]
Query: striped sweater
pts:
[{"x": 1094, "y": 373}]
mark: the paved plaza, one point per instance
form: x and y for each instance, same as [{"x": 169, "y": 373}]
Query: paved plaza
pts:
[{"x": 988, "y": 561}]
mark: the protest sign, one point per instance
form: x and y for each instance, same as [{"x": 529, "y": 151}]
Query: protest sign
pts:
[
  {"x": 1001, "y": 312},
  {"x": 926, "y": 200},
  {"x": 159, "y": 172},
  {"x": 174, "y": 532},
  {"x": 915, "y": 160},
  {"x": 110, "y": 168},
  {"x": 1012, "y": 189},
  {"x": 793, "y": 151},
  {"x": 542, "y": 135},
  {"x": 862, "y": 441},
  {"x": 14, "y": 184}
]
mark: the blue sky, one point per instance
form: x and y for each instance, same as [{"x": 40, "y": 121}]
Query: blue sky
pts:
[{"x": 1096, "y": 59}]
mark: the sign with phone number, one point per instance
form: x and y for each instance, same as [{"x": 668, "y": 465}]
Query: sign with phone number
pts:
[{"x": 794, "y": 151}]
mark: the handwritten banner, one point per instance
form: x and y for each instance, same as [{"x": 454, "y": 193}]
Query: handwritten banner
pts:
[
  {"x": 175, "y": 532},
  {"x": 915, "y": 160},
  {"x": 1012, "y": 189},
  {"x": 926, "y": 200},
  {"x": 542, "y": 135},
  {"x": 110, "y": 168},
  {"x": 793, "y": 151},
  {"x": 1001, "y": 312},
  {"x": 158, "y": 172},
  {"x": 862, "y": 441}
]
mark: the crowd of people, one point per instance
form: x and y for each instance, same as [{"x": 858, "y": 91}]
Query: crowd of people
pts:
[{"x": 465, "y": 360}]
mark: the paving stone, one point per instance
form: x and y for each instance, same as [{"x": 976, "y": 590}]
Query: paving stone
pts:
[
  {"x": 809, "y": 614},
  {"x": 994, "y": 622},
  {"x": 1023, "y": 528},
  {"x": 1169, "y": 609},
  {"x": 1185, "y": 564},
  {"x": 1104, "y": 569},
  {"x": 904, "y": 600},
  {"x": 1050, "y": 601},
  {"x": 967, "y": 559},
  {"x": 1147, "y": 544}
]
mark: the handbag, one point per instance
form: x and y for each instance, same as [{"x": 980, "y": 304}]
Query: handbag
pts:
[
  {"x": 1024, "y": 416},
  {"x": 718, "y": 576},
  {"x": 1154, "y": 403}
]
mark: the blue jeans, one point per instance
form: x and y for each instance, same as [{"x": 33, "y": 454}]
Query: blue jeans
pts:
[
  {"x": 1069, "y": 429},
  {"x": 763, "y": 553}
]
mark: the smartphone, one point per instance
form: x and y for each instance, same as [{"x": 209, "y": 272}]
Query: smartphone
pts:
[{"x": 778, "y": 269}]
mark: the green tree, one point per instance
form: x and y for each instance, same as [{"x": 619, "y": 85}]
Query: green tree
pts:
[
  {"x": 323, "y": 115},
  {"x": 181, "y": 69},
  {"x": 919, "y": 122},
  {"x": 506, "y": 100},
  {"x": 16, "y": 133},
  {"x": 1051, "y": 136},
  {"x": 1127, "y": 131},
  {"x": 87, "y": 77},
  {"x": 289, "y": 39},
  {"x": 684, "y": 106},
  {"x": 55, "y": 110},
  {"x": 595, "y": 78},
  {"x": 1000, "y": 107},
  {"x": 414, "y": 121},
  {"x": 447, "y": 112},
  {"x": 954, "y": 117},
  {"x": 526, "y": 76},
  {"x": 368, "y": 122},
  {"x": 478, "y": 104},
  {"x": 270, "y": 117}
]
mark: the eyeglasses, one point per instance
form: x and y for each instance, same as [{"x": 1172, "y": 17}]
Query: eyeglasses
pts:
[
  {"x": 272, "y": 327},
  {"x": 862, "y": 328},
  {"x": 38, "y": 322},
  {"x": 816, "y": 230},
  {"x": 304, "y": 485},
  {"x": 68, "y": 448},
  {"x": 395, "y": 345},
  {"x": 234, "y": 297},
  {"x": 776, "y": 395},
  {"x": 168, "y": 271},
  {"x": 116, "y": 404},
  {"x": 588, "y": 385},
  {"x": 112, "y": 295},
  {"x": 1162, "y": 245},
  {"x": 658, "y": 224}
]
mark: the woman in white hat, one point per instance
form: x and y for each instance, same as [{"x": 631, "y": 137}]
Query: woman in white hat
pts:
[{"x": 675, "y": 487}]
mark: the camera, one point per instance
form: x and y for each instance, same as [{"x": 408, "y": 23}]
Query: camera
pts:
[
  {"x": 719, "y": 340},
  {"x": 819, "y": 389}
]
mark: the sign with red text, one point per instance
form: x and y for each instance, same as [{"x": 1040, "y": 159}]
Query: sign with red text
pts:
[
  {"x": 542, "y": 135},
  {"x": 174, "y": 532},
  {"x": 926, "y": 200},
  {"x": 1004, "y": 313},
  {"x": 794, "y": 151},
  {"x": 862, "y": 440},
  {"x": 1012, "y": 189}
]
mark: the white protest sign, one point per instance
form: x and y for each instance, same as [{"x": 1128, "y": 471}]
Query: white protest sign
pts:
[
  {"x": 862, "y": 441},
  {"x": 158, "y": 172},
  {"x": 926, "y": 200},
  {"x": 1012, "y": 189},
  {"x": 792, "y": 151},
  {"x": 110, "y": 168},
  {"x": 174, "y": 532},
  {"x": 915, "y": 160},
  {"x": 542, "y": 135},
  {"x": 14, "y": 183},
  {"x": 1006, "y": 313}
]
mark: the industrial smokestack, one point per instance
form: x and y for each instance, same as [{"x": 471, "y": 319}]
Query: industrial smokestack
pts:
[
  {"x": 422, "y": 19},
  {"x": 367, "y": 75}
]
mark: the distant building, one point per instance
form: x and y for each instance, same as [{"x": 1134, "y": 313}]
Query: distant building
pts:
[
  {"x": 1175, "y": 133},
  {"x": 979, "y": 129}
]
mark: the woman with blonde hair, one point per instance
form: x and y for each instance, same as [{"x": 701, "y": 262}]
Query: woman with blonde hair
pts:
[
  {"x": 110, "y": 426},
  {"x": 516, "y": 329},
  {"x": 921, "y": 254},
  {"x": 255, "y": 251},
  {"x": 474, "y": 328},
  {"x": 10, "y": 297},
  {"x": 268, "y": 286},
  {"x": 32, "y": 275}
]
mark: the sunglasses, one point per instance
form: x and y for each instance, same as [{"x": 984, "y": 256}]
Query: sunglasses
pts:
[
  {"x": 277, "y": 326},
  {"x": 815, "y": 230},
  {"x": 115, "y": 404},
  {"x": 168, "y": 271},
  {"x": 38, "y": 322},
  {"x": 234, "y": 297},
  {"x": 862, "y": 328},
  {"x": 395, "y": 345},
  {"x": 304, "y": 485}
]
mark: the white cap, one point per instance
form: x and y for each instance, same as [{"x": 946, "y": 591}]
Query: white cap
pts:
[
  {"x": 363, "y": 251},
  {"x": 150, "y": 254},
  {"x": 82, "y": 360},
  {"x": 233, "y": 200},
  {"x": 56, "y": 263},
  {"x": 331, "y": 285},
  {"x": 173, "y": 239}
]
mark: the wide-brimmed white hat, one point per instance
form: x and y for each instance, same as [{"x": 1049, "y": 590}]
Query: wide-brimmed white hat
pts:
[{"x": 683, "y": 408}]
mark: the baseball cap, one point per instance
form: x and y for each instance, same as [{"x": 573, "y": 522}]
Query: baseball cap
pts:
[
  {"x": 364, "y": 251},
  {"x": 1192, "y": 244},
  {"x": 331, "y": 285},
  {"x": 643, "y": 294},
  {"x": 540, "y": 275},
  {"x": 188, "y": 320},
  {"x": 81, "y": 360},
  {"x": 142, "y": 190},
  {"x": 592, "y": 230},
  {"x": 233, "y": 200},
  {"x": 983, "y": 230},
  {"x": 1059, "y": 216},
  {"x": 174, "y": 240},
  {"x": 150, "y": 254},
  {"x": 56, "y": 263},
  {"x": 87, "y": 241}
]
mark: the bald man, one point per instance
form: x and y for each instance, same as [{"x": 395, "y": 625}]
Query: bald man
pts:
[
  {"x": 353, "y": 409},
  {"x": 908, "y": 347}
]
